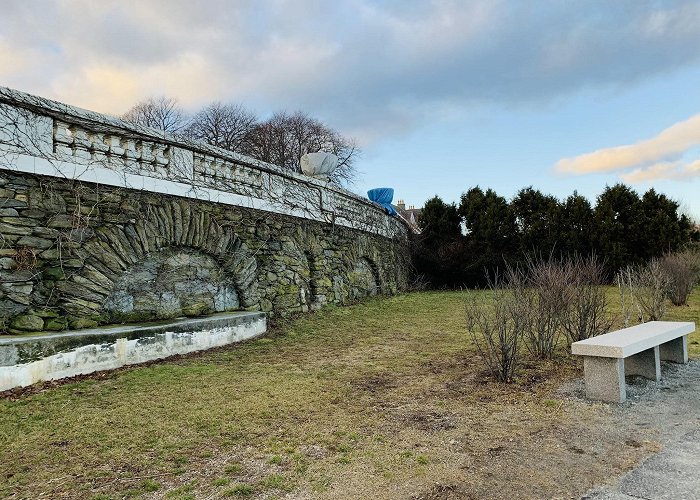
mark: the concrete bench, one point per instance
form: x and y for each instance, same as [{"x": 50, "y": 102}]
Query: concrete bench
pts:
[{"x": 637, "y": 350}]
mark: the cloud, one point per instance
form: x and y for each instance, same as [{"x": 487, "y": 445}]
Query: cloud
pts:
[
  {"x": 671, "y": 142},
  {"x": 677, "y": 170},
  {"x": 126, "y": 85},
  {"x": 373, "y": 68}
]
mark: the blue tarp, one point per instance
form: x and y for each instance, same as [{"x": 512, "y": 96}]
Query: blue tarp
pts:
[{"x": 383, "y": 196}]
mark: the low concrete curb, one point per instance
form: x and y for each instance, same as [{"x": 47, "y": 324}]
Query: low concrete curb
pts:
[{"x": 27, "y": 360}]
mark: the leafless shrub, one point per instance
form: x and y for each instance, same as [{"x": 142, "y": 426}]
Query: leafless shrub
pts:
[
  {"x": 627, "y": 304},
  {"x": 419, "y": 283},
  {"x": 545, "y": 290},
  {"x": 644, "y": 289},
  {"x": 682, "y": 271},
  {"x": 585, "y": 314},
  {"x": 496, "y": 325}
]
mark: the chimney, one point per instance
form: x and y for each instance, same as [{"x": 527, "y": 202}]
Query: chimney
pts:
[
  {"x": 411, "y": 207},
  {"x": 401, "y": 205}
]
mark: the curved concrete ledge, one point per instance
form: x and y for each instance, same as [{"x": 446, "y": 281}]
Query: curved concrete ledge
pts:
[{"x": 29, "y": 359}]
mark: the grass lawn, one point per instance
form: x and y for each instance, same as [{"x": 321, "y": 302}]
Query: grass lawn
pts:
[{"x": 384, "y": 399}]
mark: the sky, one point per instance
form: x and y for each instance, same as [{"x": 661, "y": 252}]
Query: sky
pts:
[{"x": 441, "y": 95}]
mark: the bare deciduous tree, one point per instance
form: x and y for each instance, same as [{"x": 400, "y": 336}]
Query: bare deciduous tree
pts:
[
  {"x": 162, "y": 113},
  {"x": 281, "y": 140},
  {"x": 228, "y": 126},
  {"x": 284, "y": 138}
]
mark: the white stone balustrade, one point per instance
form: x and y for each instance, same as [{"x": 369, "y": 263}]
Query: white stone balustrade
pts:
[
  {"x": 224, "y": 174},
  {"x": 112, "y": 150},
  {"x": 52, "y": 138}
]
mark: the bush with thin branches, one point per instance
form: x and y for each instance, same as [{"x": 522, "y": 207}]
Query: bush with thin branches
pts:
[
  {"x": 586, "y": 308},
  {"x": 643, "y": 290},
  {"x": 682, "y": 270},
  {"x": 546, "y": 293},
  {"x": 496, "y": 325}
]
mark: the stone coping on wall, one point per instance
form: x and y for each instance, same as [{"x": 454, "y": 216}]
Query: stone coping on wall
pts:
[
  {"x": 27, "y": 360},
  {"x": 136, "y": 330},
  {"x": 45, "y": 137},
  {"x": 23, "y": 349}
]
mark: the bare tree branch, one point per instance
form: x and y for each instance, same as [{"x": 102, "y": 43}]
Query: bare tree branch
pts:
[
  {"x": 285, "y": 138},
  {"x": 227, "y": 126},
  {"x": 162, "y": 113}
]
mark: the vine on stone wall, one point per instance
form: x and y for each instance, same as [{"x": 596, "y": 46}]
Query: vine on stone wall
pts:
[{"x": 25, "y": 258}]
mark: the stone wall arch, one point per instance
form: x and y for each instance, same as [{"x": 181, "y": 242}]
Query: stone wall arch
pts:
[
  {"x": 172, "y": 230},
  {"x": 362, "y": 279}
]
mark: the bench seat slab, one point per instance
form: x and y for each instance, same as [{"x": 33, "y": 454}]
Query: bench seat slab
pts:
[
  {"x": 629, "y": 341},
  {"x": 605, "y": 379},
  {"x": 675, "y": 350},
  {"x": 646, "y": 364}
]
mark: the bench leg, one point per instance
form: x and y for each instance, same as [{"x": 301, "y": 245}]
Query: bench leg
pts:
[
  {"x": 646, "y": 363},
  {"x": 605, "y": 379},
  {"x": 675, "y": 350}
]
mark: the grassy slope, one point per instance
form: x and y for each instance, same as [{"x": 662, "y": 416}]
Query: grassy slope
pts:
[{"x": 381, "y": 399}]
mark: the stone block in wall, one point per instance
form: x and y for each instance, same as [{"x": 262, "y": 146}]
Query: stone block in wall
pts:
[
  {"x": 55, "y": 324},
  {"x": 18, "y": 221},
  {"x": 13, "y": 203},
  {"x": 35, "y": 242},
  {"x": 8, "y": 212},
  {"x": 14, "y": 229},
  {"x": 12, "y": 305},
  {"x": 27, "y": 323}
]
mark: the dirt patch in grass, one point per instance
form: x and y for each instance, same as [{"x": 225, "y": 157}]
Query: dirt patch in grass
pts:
[
  {"x": 425, "y": 419},
  {"x": 375, "y": 383},
  {"x": 385, "y": 399}
]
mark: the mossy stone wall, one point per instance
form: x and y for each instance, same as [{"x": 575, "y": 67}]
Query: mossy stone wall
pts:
[{"x": 76, "y": 255}]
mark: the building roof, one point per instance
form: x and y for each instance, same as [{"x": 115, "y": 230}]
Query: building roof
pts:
[{"x": 410, "y": 214}]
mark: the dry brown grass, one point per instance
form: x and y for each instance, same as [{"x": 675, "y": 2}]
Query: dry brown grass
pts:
[{"x": 384, "y": 399}]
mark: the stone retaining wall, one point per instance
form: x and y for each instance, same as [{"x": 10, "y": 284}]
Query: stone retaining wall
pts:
[
  {"x": 76, "y": 254},
  {"x": 103, "y": 221}
]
